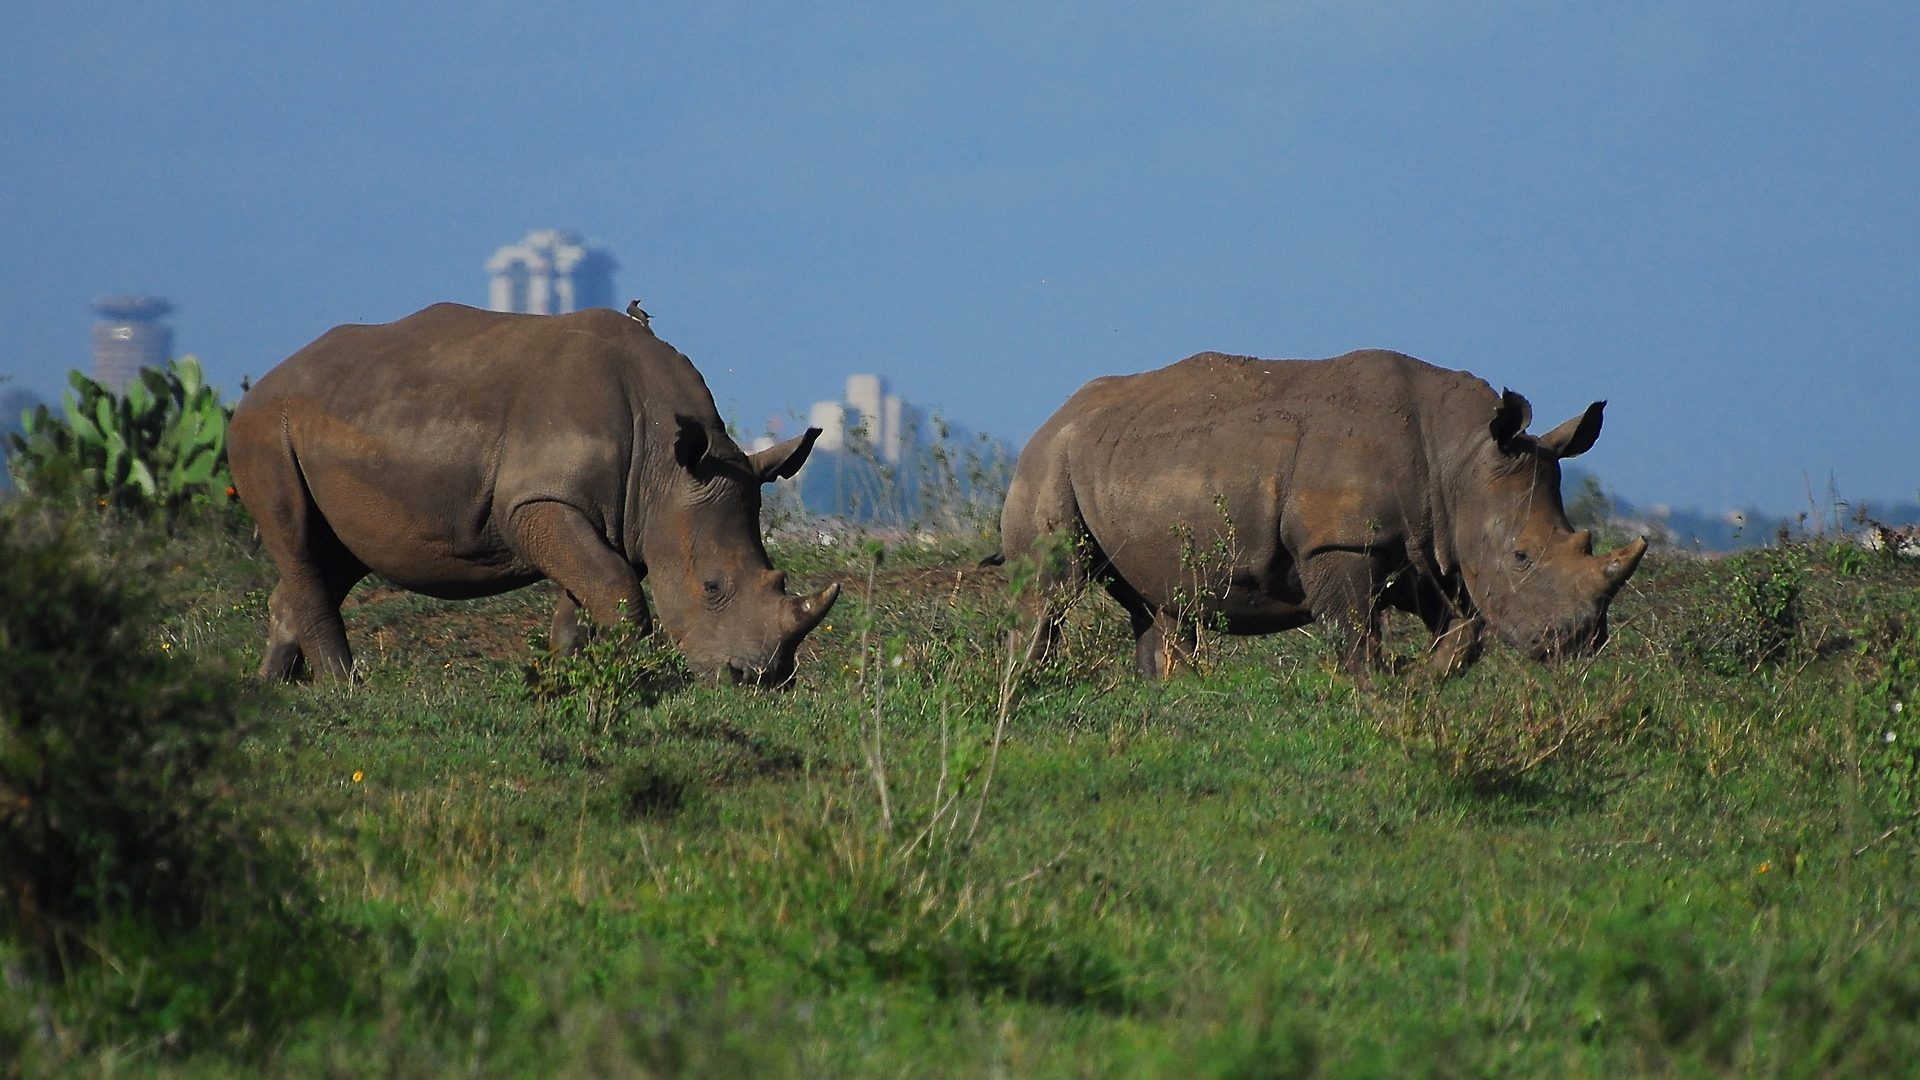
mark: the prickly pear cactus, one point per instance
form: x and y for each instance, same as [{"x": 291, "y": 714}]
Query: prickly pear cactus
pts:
[{"x": 162, "y": 444}]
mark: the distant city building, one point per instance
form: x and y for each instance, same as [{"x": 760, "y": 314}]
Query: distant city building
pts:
[
  {"x": 551, "y": 272},
  {"x": 129, "y": 336},
  {"x": 880, "y": 461},
  {"x": 889, "y": 423}
]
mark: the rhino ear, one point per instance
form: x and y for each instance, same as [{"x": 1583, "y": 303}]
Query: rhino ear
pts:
[
  {"x": 1510, "y": 419},
  {"x": 782, "y": 460},
  {"x": 1576, "y": 436},
  {"x": 691, "y": 442}
]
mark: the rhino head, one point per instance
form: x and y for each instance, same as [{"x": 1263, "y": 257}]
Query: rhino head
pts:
[
  {"x": 718, "y": 595},
  {"x": 1534, "y": 578}
]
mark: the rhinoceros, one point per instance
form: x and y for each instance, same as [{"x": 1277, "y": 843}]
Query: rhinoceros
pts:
[
  {"x": 1256, "y": 496},
  {"x": 462, "y": 453}
]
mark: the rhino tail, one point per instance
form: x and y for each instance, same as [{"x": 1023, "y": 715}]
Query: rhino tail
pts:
[{"x": 995, "y": 559}]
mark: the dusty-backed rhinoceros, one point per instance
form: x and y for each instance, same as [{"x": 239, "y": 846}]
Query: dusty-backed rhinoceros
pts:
[
  {"x": 1258, "y": 495},
  {"x": 462, "y": 453}
]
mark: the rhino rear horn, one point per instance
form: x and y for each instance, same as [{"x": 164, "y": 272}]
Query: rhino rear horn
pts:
[
  {"x": 782, "y": 460},
  {"x": 1576, "y": 436}
]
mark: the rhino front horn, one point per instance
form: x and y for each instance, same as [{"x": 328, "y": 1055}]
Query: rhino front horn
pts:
[
  {"x": 811, "y": 609},
  {"x": 1621, "y": 563}
]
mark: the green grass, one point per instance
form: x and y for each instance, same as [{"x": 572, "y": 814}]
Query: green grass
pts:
[{"x": 1692, "y": 856}]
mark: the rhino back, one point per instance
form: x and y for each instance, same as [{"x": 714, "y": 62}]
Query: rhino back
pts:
[
  {"x": 1286, "y": 456},
  {"x": 418, "y": 438}
]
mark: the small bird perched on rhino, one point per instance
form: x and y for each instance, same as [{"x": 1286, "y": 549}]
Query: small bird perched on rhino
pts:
[
  {"x": 1261, "y": 495},
  {"x": 463, "y": 453}
]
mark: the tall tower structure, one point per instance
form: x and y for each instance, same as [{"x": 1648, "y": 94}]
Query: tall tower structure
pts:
[
  {"x": 128, "y": 336},
  {"x": 551, "y": 272}
]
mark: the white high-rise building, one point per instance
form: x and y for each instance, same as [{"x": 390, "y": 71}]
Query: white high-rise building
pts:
[
  {"x": 864, "y": 393},
  {"x": 551, "y": 272},
  {"x": 893, "y": 430},
  {"x": 887, "y": 420},
  {"x": 831, "y": 418}
]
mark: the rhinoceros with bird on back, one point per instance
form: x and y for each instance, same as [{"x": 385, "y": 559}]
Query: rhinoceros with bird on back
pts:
[
  {"x": 463, "y": 453},
  {"x": 1257, "y": 496}
]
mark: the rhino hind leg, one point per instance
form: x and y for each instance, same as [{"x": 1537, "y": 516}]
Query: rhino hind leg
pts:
[
  {"x": 1062, "y": 561},
  {"x": 1043, "y": 612},
  {"x": 565, "y": 546},
  {"x": 1036, "y": 644},
  {"x": 304, "y": 628},
  {"x": 284, "y": 661},
  {"x": 1040, "y": 525}
]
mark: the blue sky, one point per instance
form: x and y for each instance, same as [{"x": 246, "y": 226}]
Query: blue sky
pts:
[{"x": 1708, "y": 214}]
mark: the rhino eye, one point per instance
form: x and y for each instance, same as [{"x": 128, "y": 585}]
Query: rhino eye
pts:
[
  {"x": 711, "y": 588},
  {"x": 1522, "y": 560}
]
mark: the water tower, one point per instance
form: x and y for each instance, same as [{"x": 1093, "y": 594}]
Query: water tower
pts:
[{"x": 128, "y": 336}]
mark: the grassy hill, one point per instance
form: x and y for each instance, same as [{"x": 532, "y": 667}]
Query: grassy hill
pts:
[{"x": 1695, "y": 855}]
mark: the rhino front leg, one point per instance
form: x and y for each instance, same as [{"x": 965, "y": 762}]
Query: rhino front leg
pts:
[
  {"x": 1163, "y": 644},
  {"x": 1340, "y": 592},
  {"x": 565, "y": 546},
  {"x": 564, "y": 636},
  {"x": 1456, "y": 645}
]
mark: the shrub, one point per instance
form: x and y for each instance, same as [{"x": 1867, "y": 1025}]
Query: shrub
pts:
[
  {"x": 161, "y": 445},
  {"x": 121, "y": 835},
  {"x": 1754, "y": 620},
  {"x": 618, "y": 669},
  {"x": 1889, "y": 650},
  {"x": 105, "y": 744}
]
